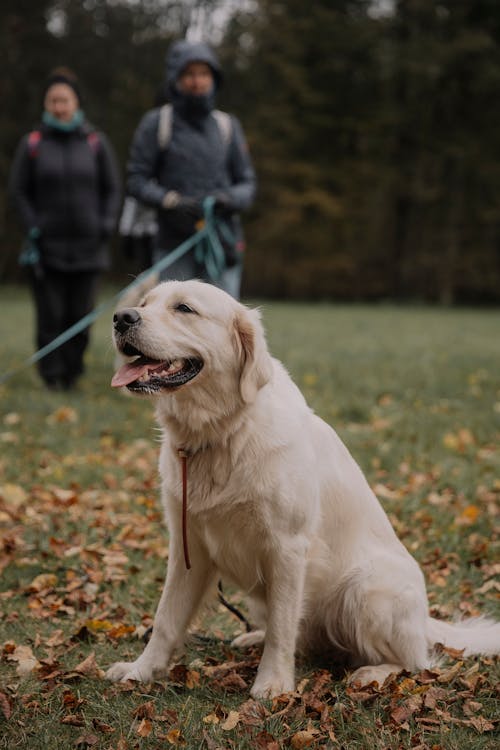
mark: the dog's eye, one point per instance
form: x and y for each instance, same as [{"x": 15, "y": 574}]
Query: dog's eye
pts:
[{"x": 183, "y": 308}]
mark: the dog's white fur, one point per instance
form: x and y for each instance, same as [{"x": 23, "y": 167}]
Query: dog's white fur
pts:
[{"x": 278, "y": 506}]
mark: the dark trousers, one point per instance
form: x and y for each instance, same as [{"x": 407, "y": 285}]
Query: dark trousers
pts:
[{"x": 62, "y": 299}]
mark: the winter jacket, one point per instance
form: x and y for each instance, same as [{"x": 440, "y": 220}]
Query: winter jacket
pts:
[
  {"x": 68, "y": 187},
  {"x": 197, "y": 161}
]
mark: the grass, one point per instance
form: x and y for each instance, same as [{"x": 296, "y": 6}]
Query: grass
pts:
[{"x": 415, "y": 394}]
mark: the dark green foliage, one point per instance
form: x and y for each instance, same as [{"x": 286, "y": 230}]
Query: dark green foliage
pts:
[{"x": 376, "y": 136}]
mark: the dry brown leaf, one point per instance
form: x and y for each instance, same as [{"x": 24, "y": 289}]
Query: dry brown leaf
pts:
[
  {"x": 89, "y": 667},
  {"x": 211, "y": 719},
  {"x": 6, "y": 706},
  {"x": 26, "y": 660},
  {"x": 406, "y": 710},
  {"x": 41, "y": 583},
  {"x": 304, "y": 738},
  {"x": 231, "y": 722},
  {"x": 102, "y": 727},
  {"x": 145, "y": 711},
  {"x": 13, "y": 495},
  {"x": 174, "y": 737},
  {"x": 56, "y": 639},
  {"x": 481, "y": 724},
  {"x": 145, "y": 728},
  {"x": 265, "y": 741},
  {"x": 87, "y": 740},
  {"x": 230, "y": 683},
  {"x": 433, "y": 695},
  {"x": 451, "y": 673},
  {"x": 74, "y": 720},
  {"x": 253, "y": 713}
]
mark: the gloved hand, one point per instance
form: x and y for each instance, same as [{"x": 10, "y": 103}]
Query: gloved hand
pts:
[
  {"x": 183, "y": 204},
  {"x": 106, "y": 233},
  {"x": 223, "y": 205},
  {"x": 128, "y": 246}
]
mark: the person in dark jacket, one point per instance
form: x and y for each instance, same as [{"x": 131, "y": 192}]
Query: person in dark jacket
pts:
[
  {"x": 206, "y": 155},
  {"x": 66, "y": 186}
]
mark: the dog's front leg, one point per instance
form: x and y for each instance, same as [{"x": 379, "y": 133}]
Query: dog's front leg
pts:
[
  {"x": 180, "y": 598},
  {"x": 284, "y": 575}
]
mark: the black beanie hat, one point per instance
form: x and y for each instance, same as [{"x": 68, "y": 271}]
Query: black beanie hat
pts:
[{"x": 63, "y": 75}]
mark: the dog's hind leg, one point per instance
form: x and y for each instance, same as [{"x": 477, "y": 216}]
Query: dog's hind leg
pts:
[{"x": 390, "y": 635}]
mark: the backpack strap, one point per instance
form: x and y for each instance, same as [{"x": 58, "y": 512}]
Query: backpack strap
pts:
[
  {"x": 34, "y": 139},
  {"x": 93, "y": 141},
  {"x": 225, "y": 124},
  {"x": 165, "y": 126},
  {"x": 223, "y": 120}
]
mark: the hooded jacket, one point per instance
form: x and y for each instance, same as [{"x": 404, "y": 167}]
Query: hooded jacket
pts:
[
  {"x": 197, "y": 162},
  {"x": 68, "y": 188}
]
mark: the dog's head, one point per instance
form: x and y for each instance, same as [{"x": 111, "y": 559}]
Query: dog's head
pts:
[{"x": 188, "y": 334}]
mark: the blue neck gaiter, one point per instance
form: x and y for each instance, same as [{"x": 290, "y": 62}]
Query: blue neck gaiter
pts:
[{"x": 64, "y": 127}]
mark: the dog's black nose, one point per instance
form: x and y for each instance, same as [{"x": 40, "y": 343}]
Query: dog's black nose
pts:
[{"x": 125, "y": 319}]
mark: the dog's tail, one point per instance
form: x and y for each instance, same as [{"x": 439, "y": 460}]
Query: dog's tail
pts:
[{"x": 479, "y": 635}]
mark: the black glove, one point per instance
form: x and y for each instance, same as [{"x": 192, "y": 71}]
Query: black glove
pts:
[
  {"x": 182, "y": 204},
  {"x": 128, "y": 246},
  {"x": 223, "y": 205}
]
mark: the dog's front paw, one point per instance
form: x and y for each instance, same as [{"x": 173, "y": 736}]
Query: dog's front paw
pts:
[
  {"x": 129, "y": 670},
  {"x": 267, "y": 688}
]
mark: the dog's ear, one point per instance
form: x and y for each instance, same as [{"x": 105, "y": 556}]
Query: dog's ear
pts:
[{"x": 256, "y": 363}]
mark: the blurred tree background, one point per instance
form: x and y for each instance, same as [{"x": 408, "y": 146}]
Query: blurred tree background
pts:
[{"x": 374, "y": 127}]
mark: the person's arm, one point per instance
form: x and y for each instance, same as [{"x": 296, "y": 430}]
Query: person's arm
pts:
[
  {"x": 21, "y": 187},
  {"x": 110, "y": 186},
  {"x": 143, "y": 162},
  {"x": 240, "y": 195}
]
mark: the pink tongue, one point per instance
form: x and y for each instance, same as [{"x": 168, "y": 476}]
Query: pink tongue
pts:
[{"x": 133, "y": 370}]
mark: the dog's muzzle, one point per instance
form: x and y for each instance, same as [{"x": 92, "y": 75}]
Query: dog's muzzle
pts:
[{"x": 123, "y": 320}]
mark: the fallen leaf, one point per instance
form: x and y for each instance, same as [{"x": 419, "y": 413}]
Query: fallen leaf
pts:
[
  {"x": 13, "y": 495},
  {"x": 406, "y": 710},
  {"x": 211, "y": 719},
  {"x": 102, "y": 727},
  {"x": 304, "y": 738},
  {"x": 87, "y": 740},
  {"x": 74, "y": 720},
  {"x": 26, "y": 660},
  {"x": 98, "y": 626},
  {"x": 145, "y": 728},
  {"x": 253, "y": 713},
  {"x": 89, "y": 668},
  {"x": 174, "y": 737},
  {"x": 481, "y": 724},
  {"x": 468, "y": 516},
  {"x": 145, "y": 711},
  {"x": 231, "y": 722},
  {"x": 451, "y": 673},
  {"x": 6, "y": 706},
  {"x": 42, "y": 582},
  {"x": 64, "y": 414}
]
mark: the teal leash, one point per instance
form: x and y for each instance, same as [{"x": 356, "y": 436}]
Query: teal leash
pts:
[{"x": 208, "y": 250}]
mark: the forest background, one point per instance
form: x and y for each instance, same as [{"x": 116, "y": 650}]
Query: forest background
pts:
[{"x": 374, "y": 128}]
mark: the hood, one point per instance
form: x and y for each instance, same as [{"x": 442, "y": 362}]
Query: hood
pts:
[{"x": 182, "y": 53}]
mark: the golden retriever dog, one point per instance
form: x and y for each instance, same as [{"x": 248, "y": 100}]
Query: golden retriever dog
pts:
[{"x": 275, "y": 504}]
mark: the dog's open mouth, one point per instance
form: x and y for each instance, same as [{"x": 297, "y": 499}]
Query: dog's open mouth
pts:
[{"x": 151, "y": 375}]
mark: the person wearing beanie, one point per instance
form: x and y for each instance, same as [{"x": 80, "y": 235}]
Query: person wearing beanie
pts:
[
  {"x": 65, "y": 184},
  {"x": 206, "y": 155}
]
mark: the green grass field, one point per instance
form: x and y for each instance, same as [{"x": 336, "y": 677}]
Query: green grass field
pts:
[{"x": 415, "y": 394}]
